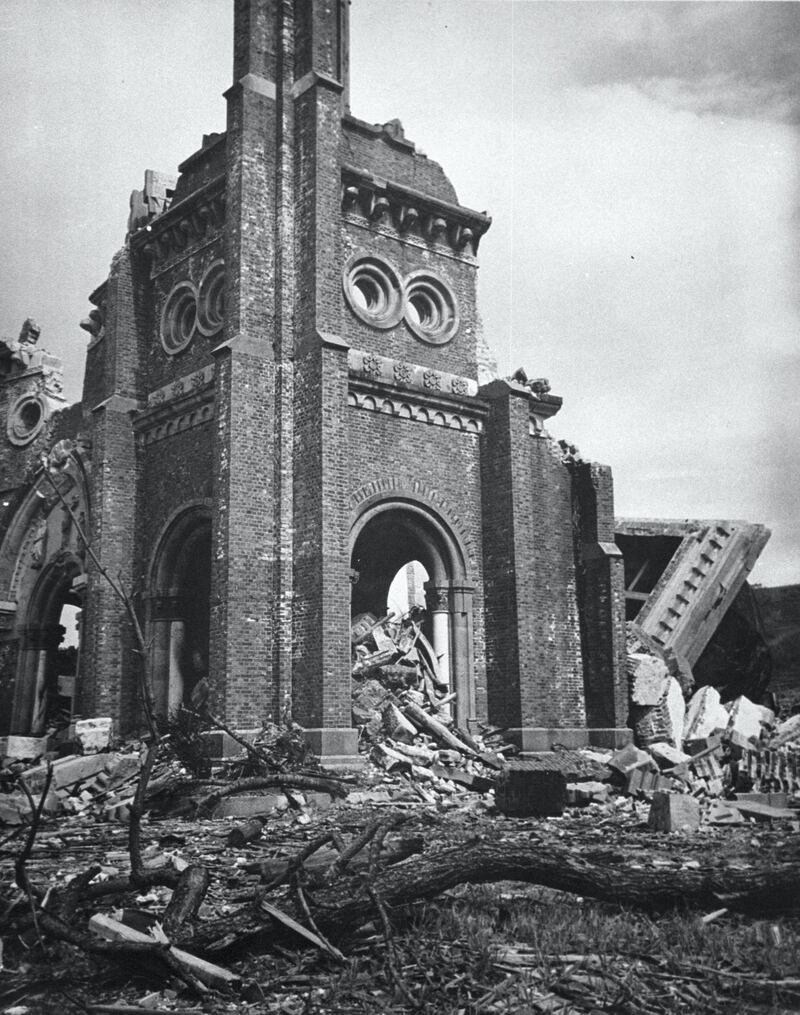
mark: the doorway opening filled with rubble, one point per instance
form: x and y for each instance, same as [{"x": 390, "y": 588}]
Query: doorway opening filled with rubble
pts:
[
  {"x": 179, "y": 620},
  {"x": 409, "y": 583}
]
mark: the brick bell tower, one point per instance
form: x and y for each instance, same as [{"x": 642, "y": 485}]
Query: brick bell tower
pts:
[
  {"x": 283, "y": 405},
  {"x": 279, "y": 614},
  {"x": 351, "y": 435}
]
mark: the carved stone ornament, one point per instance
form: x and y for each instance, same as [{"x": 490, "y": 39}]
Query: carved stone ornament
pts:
[
  {"x": 432, "y": 380},
  {"x": 371, "y": 366},
  {"x": 403, "y": 373},
  {"x": 437, "y": 598}
]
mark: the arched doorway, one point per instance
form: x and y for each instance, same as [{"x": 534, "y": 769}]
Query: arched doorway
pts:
[
  {"x": 179, "y": 614},
  {"x": 386, "y": 539},
  {"x": 49, "y": 671}
]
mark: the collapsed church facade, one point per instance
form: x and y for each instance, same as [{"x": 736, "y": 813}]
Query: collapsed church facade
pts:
[{"x": 284, "y": 405}]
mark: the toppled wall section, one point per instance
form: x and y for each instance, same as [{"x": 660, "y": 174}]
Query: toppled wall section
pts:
[{"x": 682, "y": 576}]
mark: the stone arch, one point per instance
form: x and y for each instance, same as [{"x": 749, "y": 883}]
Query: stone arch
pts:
[
  {"x": 391, "y": 529},
  {"x": 41, "y": 696},
  {"x": 179, "y": 584},
  {"x": 42, "y": 570}
]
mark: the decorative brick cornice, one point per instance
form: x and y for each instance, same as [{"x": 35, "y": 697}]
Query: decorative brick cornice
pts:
[
  {"x": 407, "y": 212},
  {"x": 198, "y": 217},
  {"x": 182, "y": 405},
  {"x": 191, "y": 383},
  {"x": 411, "y": 376}
]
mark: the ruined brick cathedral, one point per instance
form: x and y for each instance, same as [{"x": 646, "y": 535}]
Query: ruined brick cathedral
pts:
[{"x": 284, "y": 404}]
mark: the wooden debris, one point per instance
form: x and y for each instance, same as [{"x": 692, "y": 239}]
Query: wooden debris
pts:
[{"x": 208, "y": 973}]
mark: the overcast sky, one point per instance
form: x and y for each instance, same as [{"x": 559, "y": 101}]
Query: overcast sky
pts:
[{"x": 640, "y": 162}]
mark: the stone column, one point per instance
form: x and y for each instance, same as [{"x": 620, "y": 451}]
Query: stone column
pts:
[
  {"x": 461, "y": 652},
  {"x": 437, "y": 603}
]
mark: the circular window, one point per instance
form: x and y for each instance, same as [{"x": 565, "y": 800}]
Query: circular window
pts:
[
  {"x": 26, "y": 419},
  {"x": 179, "y": 318},
  {"x": 431, "y": 308},
  {"x": 211, "y": 306},
  {"x": 373, "y": 291}
]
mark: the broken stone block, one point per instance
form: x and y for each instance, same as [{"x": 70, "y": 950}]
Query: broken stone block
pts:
[
  {"x": 522, "y": 791},
  {"x": 720, "y": 814},
  {"x": 705, "y": 714},
  {"x": 628, "y": 758},
  {"x": 666, "y": 755},
  {"x": 648, "y": 678},
  {"x": 763, "y": 812},
  {"x": 674, "y": 812},
  {"x": 661, "y": 723},
  {"x": 94, "y": 734},
  {"x": 242, "y": 806},
  {"x": 590, "y": 793},
  {"x": 706, "y": 766},
  {"x": 788, "y": 732},
  {"x": 644, "y": 780},
  {"x": 66, "y": 771},
  {"x": 368, "y": 699},
  {"x": 22, "y": 748},
  {"x": 704, "y": 745},
  {"x": 396, "y": 725},
  {"x": 745, "y": 719}
]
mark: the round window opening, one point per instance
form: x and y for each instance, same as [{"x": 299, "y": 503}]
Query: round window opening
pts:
[
  {"x": 26, "y": 419},
  {"x": 431, "y": 308},
  {"x": 373, "y": 291},
  {"x": 179, "y": 318},
  {"x": 211, "y": 305}
]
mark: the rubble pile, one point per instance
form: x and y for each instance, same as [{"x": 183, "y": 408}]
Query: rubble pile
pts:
[
  {"x": 99, "y": 785},
  {"x": 403, "y": 709}
]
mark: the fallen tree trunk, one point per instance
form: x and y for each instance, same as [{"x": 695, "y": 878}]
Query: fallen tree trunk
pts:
[{"x": 343, "y": 907}]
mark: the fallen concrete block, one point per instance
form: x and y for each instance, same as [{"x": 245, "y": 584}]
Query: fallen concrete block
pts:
[
  {"x": 666, "y": 755},
  {"x": 66, "y": 771},
  {"x": 94, "y": 734},
  {"x": 530, "y": 792},
  {"x": 763, "y": 812},
  {"x": 705, "y": 714},
  {"x": 648, "y": 678},
  {"x": 628, "y": 758},
  {"x": 674, "y": 812},
  {"x": 745, "y": 719}
]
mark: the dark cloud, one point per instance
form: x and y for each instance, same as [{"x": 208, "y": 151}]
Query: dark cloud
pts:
[{"x": 735, "y": 59}]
